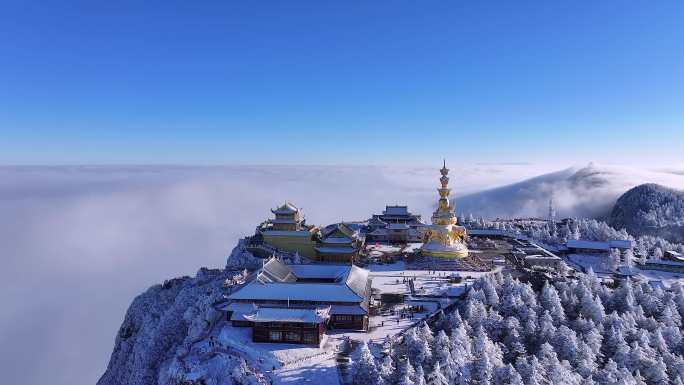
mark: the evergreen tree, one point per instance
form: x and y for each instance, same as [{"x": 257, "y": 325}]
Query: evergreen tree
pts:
[
  {"x": 628, "y": 256},
  {"x": 550, "y": 301},
  {"x": 565, "y": 344},
  {"x": 425, "y": 332},
  {"x": 364, "y": 369},
  {"x": 624, "y": 297},
  {"x": 475, "y": 313},
  {"x": 387, "y": 369},
  {"x": 491, "y": 296},
  {"x": 407, "y": 370},
  {"x": 405, "y": 379},
  {"x": 514, "y": 342},
  {"x": 453, "y": 321},
  {"x": 441, "y": 349},
  {"x": 418, "y": 347},
  {"x": 436, "y": 377},
  {"x": 420, "y": 376},
  {"x": 657, "y": 254},
  {"x": 486, "y": 357},
  {"x": 638, "y": 379},
  {"x": 546, "y": 330}
]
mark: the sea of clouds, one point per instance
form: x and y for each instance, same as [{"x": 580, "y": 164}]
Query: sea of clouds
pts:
[{"x": 78, "y": 243}]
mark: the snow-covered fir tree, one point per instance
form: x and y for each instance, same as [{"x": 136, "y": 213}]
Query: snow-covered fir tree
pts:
[
  {"x": 365, "y": 369},
  {"x": 567, "y": 333}
]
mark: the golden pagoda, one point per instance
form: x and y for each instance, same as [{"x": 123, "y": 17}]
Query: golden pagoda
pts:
[{"x": 444, "y": 238}]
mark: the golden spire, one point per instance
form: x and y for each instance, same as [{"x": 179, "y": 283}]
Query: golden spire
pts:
[{"x": 444, "y": 213}]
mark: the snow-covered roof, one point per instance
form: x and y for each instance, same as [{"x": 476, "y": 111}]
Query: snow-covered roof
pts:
[
  {"x": 237, "y": 307},
  {"x": 379, "y": 231},
  {"x": 285, "y": 314},
  {"x": 336, "y": 240},
  {"x": 488, "y": 232},
  {"x": 542, "y": 257},
  {"x": 357, "y": 280},
  {"x": 275, "y": 271},
  {"x": 278, "y": 281},
  {"x": 621, "y": 244},
  {"x": 286, "y": 208},
  {"x": 347, "y": 309},
  {"x": 397, "y": 226},
  {"x": 675, "y": 256},
  {"x": 596, "y": 245},
  {"x": 375, "y": 220},
  {"x": 345, "y": 229},
  {"x": 332, "y": 292},
  {"x": 626, "y": 270},
  {"x": 664, "y": 262},
  {"x": 593, "y": 245},
  {"x": 396, "y": 210},
  {"x": 319, "y": 271}
]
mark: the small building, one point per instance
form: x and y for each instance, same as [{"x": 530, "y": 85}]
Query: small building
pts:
[
  {"x": 289, "y": 325},
  {"x": 339, "y": 243},
  {"x": 663, "y": 265},
  {"x": 543, "y": 261},
  {"x": 674, "y": 256},
  {"x": 288, "y": 231},
  {"x": 345, "y": 289},
  {"x": 579, "y": 246},
  {"x": 657, "y": 284},
  {"x": 490, "y": 233},
  {"x": 395, "y": 225}
]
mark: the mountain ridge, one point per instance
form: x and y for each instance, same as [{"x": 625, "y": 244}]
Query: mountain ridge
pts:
[
  {"x": 651, "y": 209},
  {"x": 589, "y": 191}
]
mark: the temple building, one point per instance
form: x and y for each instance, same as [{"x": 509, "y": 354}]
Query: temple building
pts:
[
  {"x": 339, "y": 243},
  {"x": 395, "y": 225},
  {"x": 289, "y": 325},
  {"x": 298, "y": 303},
  {"x": 444, "y": 238},
  {"x": 289, "y": 232}
]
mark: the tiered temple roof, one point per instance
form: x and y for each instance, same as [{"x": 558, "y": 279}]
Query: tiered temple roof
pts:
[
  {"x": 395, "y": 214},
  {"x": 286, "y": 208},
  {"x": 314, "y": 283}
]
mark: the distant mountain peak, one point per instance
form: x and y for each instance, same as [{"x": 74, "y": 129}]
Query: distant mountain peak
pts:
[{"x": 651, "y": 209}]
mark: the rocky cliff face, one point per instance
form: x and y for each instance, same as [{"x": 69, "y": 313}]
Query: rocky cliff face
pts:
[
  {"x": 651, "y": 209},
  {"x": 167, "y": 330}
]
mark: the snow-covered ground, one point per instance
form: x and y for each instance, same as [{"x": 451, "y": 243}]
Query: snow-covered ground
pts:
[
  {"x": 286, "y": 363},
  {"x": 601, "y": 266},
  {"x": 393, "y": 279},
  {"x": 668, "y": 278},
  {"x": 383, "y": 248},
  {"x": 302, "y": 364}
]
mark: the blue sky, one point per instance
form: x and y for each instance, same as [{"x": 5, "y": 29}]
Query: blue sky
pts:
[{"x": 341, "y": 82}]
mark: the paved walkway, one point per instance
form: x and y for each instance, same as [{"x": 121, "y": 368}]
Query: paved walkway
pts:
[{"x": 343, "y": 360}]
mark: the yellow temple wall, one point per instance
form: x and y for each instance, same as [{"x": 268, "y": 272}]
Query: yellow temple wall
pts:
[
  {"x": 301, "y": 244},
  {"x": 335, "y": 258}
]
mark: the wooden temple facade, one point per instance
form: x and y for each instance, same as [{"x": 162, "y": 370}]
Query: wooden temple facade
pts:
[{"x": 290, "y": 303}]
